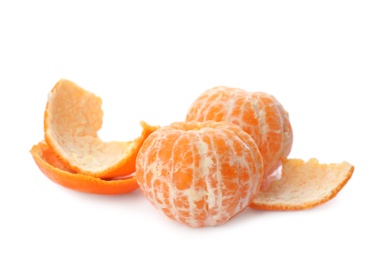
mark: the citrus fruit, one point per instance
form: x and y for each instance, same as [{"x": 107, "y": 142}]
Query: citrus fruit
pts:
[
  {"x": 56, "y": 171},
  {"x": 73, "y": 117},
  {"x": 257, "y": 113},
  {"x": 304, "y": 185},
  {"x": 199, "y": 173}
]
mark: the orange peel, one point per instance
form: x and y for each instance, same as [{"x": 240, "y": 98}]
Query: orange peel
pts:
[
  {"x": 55, "y": 170},
  {"x": 304, "y": 185},
  {"x": 73, "y": 117}
]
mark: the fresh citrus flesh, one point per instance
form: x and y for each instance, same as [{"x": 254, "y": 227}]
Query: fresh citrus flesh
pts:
[
  {"x": 73, "y": 117},
  {"x": 200, "y": 173},
  {"x": 55, "y": 170},
  {"x": 304, "y": 185},
  {"x": 257, "y": 113}
]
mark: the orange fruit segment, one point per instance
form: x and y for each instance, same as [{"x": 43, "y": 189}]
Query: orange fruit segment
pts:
[
  {"x": 73, "y": 117},
  {"x": 304, "y": 185},
  {"x": 55, "y": 170},
  {"x": 199, "y": 173},
  {"x": 257, "y": 113}
]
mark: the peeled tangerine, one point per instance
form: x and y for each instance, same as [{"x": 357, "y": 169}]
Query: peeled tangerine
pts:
[
  {"x": 257, "y": 113},
  {"x": 200, "y": 174},
  {"x": 73, "y": 155}
]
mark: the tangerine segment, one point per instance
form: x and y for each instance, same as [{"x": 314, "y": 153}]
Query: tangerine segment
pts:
[
  {"x": 257, "y": 113},
  {"x": 56, "y": 171},
  {"x": 304, "y": 185},
  {"x": 200, "y": 174},
  {"x": 72, "y": 119}
]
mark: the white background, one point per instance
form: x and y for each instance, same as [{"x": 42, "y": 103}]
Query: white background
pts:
[{"x": 327, "y": 62}]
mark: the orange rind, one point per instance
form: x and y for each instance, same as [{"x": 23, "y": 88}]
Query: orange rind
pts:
[
  {"x": 55, "y": 170},
  {"x": 73, "y": 155},
  {"x": 73, "y": 117},
  {"x": 304, "y": 185}
]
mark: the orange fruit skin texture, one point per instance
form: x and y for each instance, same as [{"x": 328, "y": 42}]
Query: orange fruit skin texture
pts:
[
  {"x": 49, "y": 164},
  {"x": 73, "y": 155},
  {"x": 304, "y": 185},
  {"x": 257, "y": 113},
  {"x": 200, "y": 174},
  {"x": 72, "y": 119}
]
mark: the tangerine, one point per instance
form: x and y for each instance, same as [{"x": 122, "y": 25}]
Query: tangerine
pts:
[
  {"x": 257, "y": 113},
  {"x": 199, "y": 173}
]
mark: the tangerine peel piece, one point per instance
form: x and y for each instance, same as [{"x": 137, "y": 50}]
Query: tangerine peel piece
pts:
[
  {"x": 304, "y": 185},
  {"x": 55, "y": 170},
  {"x": 73, "y": 117}
]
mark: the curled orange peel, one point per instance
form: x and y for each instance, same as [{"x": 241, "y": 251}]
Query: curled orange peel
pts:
[
  {"x": 56, "y": 171},
  {"x": 73, "y": 155}
]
